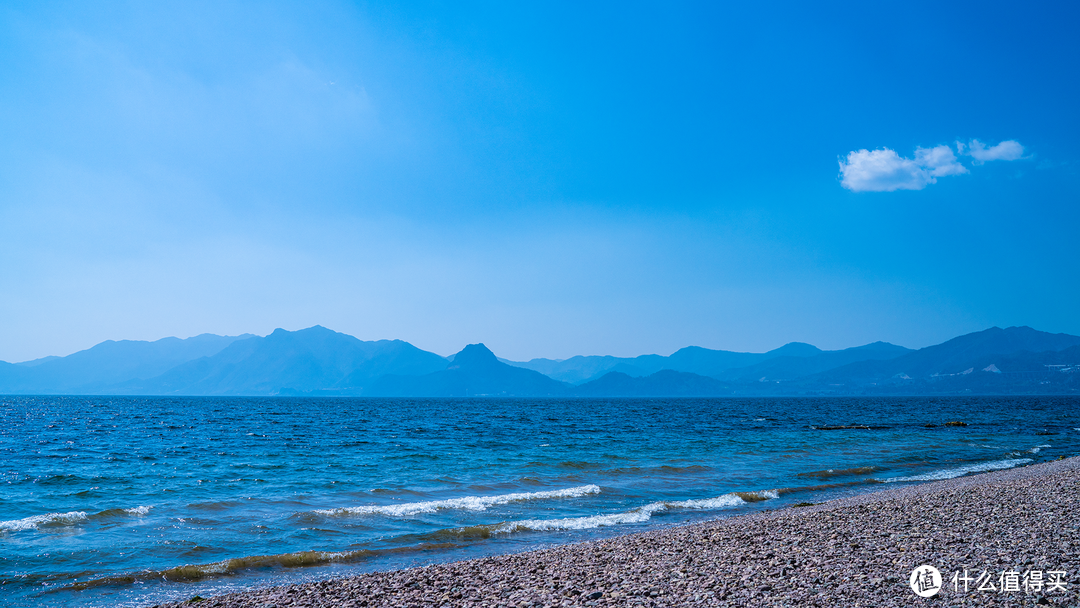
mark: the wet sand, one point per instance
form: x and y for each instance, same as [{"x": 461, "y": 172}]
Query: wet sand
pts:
[{"x": 856, "y": 551}]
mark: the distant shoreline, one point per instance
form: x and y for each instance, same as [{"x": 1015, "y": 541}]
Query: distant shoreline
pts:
[{"x": 853, "y": 551}]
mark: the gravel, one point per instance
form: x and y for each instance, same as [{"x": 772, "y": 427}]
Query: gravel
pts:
[{"x": 856, "y": 551}]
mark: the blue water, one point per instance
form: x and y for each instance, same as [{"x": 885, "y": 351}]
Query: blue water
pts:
[{"x": 134, "y": 501}]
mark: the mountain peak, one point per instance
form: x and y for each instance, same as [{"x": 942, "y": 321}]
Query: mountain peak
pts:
[
  {"x": 796, "y": 349},
  {"x": 314, "y": 329},
  {"x": 474, "y": 355}
]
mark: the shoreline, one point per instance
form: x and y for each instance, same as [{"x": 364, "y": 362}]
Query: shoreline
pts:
[{"x": 853, "y": 551}]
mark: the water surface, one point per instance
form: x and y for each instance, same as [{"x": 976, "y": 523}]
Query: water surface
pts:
[{"x": 133, "y": 501}]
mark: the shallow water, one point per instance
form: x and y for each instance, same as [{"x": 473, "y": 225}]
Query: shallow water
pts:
[{"x": 133, "y": 501}]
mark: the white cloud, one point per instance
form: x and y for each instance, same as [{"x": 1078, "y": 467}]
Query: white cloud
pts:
[
  {"x": 882, "y": 171},
  {"x": 1007, "y": 150},
  {"x": 885, "y": 171},
  {"x": 939, "y": 161}
]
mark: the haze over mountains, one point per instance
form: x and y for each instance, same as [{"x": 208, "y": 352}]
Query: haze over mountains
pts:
[{"x": 318, "y": 361}]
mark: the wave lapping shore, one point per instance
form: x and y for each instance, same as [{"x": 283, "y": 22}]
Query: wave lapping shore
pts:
[{"x": 856, "y": 551}]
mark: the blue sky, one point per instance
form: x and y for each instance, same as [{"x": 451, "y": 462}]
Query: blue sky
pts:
[{"x": 547, "y": 178}]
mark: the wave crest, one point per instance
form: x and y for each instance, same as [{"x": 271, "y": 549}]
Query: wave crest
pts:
[
  {"x": 995, "y": 465},
  {"x": 44, "y": 521},
  {"x": 470, "y": 503},
  {"x": 638, "y": 515}
]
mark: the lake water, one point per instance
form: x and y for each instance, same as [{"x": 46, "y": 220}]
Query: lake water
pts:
[{"x": 133, "y": 501}]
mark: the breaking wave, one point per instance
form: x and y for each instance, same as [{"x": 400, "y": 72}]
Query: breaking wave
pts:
[
  {"x": 56, "y": 520},
  {"x": 470, "y": 503},
  {"x": 44, "y": 521},
  {"x": 995, "y": 465},
  {"x": 638, "y": 515}
]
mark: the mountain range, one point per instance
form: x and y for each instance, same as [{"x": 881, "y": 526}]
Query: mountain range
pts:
[{"x": 321, "y": 362}]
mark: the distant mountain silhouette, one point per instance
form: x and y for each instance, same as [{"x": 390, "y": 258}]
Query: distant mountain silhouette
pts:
[
  {"x": 109, "y": 363},
  {"x": 664, "y": 383},
  {"x": 707, "y": 362},
  {"x": 952, "y": 356},
  {"x": 578, "y": 369},
  {"x": 299, "y": 362},
  {"x": 13, "y": 380},
  {"x": 319, "y": 361},
  {"x": 791, "y": 366},
  {"x": 37, "y": 362},
  {"x": 1024, "y": 372},
  {"x": 475, "y": 371}
]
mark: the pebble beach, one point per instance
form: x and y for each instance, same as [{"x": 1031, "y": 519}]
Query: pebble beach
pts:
[{"x": 1002, "y": 529}]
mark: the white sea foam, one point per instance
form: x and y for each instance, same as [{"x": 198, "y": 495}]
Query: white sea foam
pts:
[
  {"x": 470, "y": 503},
  {"x": 140, "y": 510},
  {"x": 634, "y": 516},
  {"x": 964, "y": 470},
  {"x": 49, "y": 519}
]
